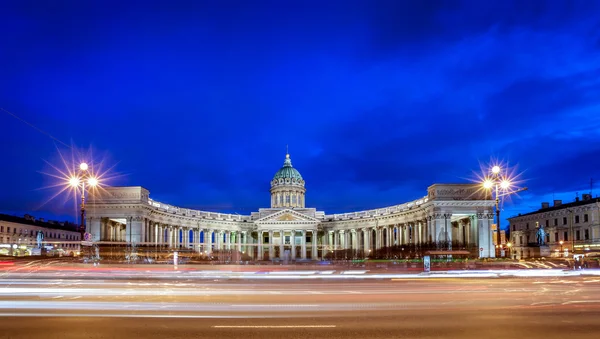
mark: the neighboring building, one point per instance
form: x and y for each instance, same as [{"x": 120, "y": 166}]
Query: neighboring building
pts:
[
  {"x": 28, "y": 236},
  {"x": 457, "y": 215},
  {"x": 575, "y": 224}
]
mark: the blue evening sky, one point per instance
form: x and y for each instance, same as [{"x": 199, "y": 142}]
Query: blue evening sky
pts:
[{"x": 377, "y": 100}]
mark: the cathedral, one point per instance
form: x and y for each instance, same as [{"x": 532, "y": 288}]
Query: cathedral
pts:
[{"x": 453, "y": 214}]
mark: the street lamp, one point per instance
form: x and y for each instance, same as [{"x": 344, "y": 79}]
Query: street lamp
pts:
[
  {"x": 79, "y": 181},
  {"x": 499, "y": 185}
]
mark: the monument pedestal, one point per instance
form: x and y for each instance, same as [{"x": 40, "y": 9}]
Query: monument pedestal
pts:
[{"x": 542, "y": 251}]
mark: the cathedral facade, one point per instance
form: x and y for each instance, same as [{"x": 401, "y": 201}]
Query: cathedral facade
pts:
[{"x": 455, "y": 215}]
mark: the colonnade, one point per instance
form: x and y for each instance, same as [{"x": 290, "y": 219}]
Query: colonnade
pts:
[{"x": 435, "y": 228}]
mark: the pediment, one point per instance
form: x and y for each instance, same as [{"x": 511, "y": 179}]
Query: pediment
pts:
[{"x": 287, "y": 215}]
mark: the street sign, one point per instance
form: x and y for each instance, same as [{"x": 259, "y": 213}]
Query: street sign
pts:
[
  {"x": 426, "y": 264},
  {"x": 87, "y": 243},
  {"x": 87, "y": 236},
  {"x": 481, "y": 249}
]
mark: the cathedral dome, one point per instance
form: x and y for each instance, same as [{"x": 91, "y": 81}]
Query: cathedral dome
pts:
[
  {"x": 288, "y": 172},
  {"x": 287, "y": 187}
]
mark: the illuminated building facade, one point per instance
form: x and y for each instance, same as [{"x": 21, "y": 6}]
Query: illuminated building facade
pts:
[
  {"x": 31, "y": 236},
  {"x": 568, "y": 227},
  {"x": 453, "y": 214}
]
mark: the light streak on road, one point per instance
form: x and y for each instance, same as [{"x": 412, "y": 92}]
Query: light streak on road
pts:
[{"x": 273, "y": 326}]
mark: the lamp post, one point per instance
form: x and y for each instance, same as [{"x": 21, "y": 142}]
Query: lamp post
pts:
[
  {"x": 495, "y": 182},
  {"x": 499, "y": 185},
  {"x": 79, "y": 181}
]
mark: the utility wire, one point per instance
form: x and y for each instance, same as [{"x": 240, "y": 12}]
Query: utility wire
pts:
[{"x": 35, "y": 127}]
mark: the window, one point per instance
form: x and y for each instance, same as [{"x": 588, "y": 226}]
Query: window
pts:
[
  {"x": 7, "y": 229},
  {"x": 14, "y": 231},
  {"x": 566, "y": 236},
  {"x": 527, "y": 226},
  {"x": 577, "y": 219},
  {"x": 577, "y": 235},
  {"x": 1, "y": 228},
  {"x": 520, "y": 240},
  {"x": 514, "y": 228},
  {"x": 564, "y": 220},
  {"x": 555, "y": 222},
  {"x": 585, "y": 218},
  {"x": 555, "y": 236},
  {"x": 547, "y": 223},
  {"x": 586, "y": 234}
]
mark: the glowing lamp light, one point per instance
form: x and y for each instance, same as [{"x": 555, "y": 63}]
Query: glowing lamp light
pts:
[
  {"x": 74, "y": 182},
  {"x": 93, "y": 182},
  {"x": 496, "y": 169},
  {"x": 487, "y": 184},
  {"x": 83, "y": 166},
  {"x": 505, "y": 184}
]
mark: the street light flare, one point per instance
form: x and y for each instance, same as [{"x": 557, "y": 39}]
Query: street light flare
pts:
[
  {"x": 93, "y": 182},
  {"x": 505, "y": 184},
  {"x": 488, "y": 184},
  {"x": 496, "y": 169},
  {"x": 83, "y": 166},
  {"x": 74, "y": 181}
]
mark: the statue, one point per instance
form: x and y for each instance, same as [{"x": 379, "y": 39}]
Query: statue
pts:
[
  {"x": 541, "y": 236},
  {"x": 39, "y": 239}
]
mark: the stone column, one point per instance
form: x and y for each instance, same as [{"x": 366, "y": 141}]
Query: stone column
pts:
[
  {"x": 388, "y": 236},
  {"x": 336, "y": 241},
  {"x": 293, "y": 243},
  {"x": 314, "y": 243},
  {"x": 303, "y": 242},
  {"x": 281, "y": 243},
  {"x": 271, "y": 254},
  {"x": 366, "y": 243},
  {"x": 198, "y": 240},
  {"x": 448, "y": 228},
  {"x": 238, "y": 237},
  {"x": 487, "y": 221},
  {"x": 260, "y": 245},
  {"x": 207, "y": 248},
  {"x": 246, "y": 248}
]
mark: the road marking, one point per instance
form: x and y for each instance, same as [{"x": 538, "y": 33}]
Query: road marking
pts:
[
  {"x": 581, "y": 302},
  {"x": 275, "y": 305},
  {"x": 273, "y": 326}
]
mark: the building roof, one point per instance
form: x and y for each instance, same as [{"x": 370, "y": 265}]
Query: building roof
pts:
[
  {"x": 65, "y": 226},
  {"x": 287, "y": 171},
  {"x": 575, "y": 203}
]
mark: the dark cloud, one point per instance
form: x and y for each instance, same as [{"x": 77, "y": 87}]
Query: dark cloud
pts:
[{"x": 377, "y": 99}]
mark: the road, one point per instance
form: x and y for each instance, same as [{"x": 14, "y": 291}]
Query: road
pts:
[{"x": 34, "y": 305}]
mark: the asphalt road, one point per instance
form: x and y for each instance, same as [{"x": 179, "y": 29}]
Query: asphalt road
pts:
[{"x": 118, "y": 307}]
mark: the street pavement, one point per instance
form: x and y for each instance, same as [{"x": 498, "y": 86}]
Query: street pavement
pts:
[{"x": 102, "y": 305}]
